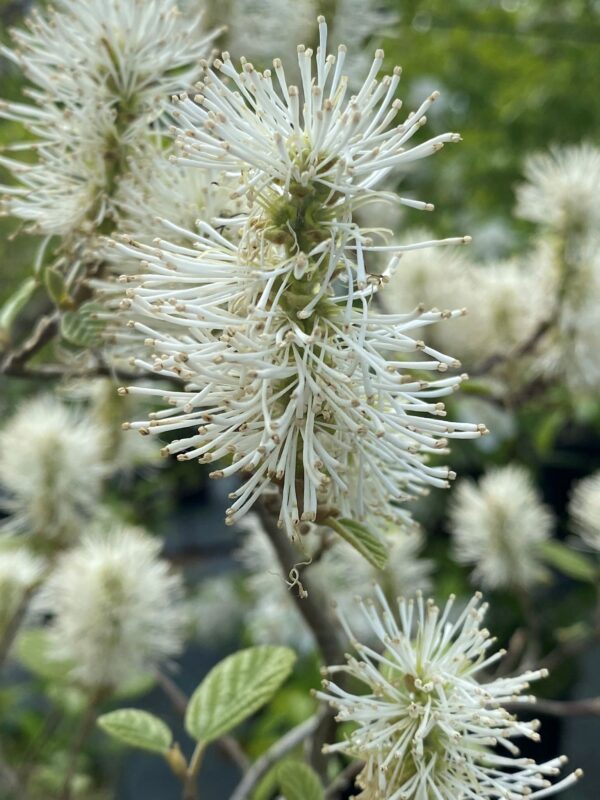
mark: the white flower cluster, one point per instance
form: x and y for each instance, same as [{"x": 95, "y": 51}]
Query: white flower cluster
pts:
[
  {"x": 20, "y": 571},
  {"x": 584, "y": 509},
  {"x": 102, "y": 72},
  {"x": 498, "y": 526},
  {"x": 52, "y": 466},
  {"x": 115, "y": 608},
  {"x": 561, "y": 196},
  {"x": 561, "y": 188},
  {"x": 290, "y": 373},
  {"x": 427, "y": 727},
  {"x": 505, "y": 302}
]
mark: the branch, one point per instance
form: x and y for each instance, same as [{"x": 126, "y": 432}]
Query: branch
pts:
[
  {"x": 45, "y": 330},
  {"x": 288, "y": 742},
  {"x": 13, "y": 627},
  {"x": 344, "y": 780},
  {"x": 519, "y": 351},
  {"x": 315, "y": 610},
  {"x": 87, "y": 725},
  {"x": 313, "y": 607}
]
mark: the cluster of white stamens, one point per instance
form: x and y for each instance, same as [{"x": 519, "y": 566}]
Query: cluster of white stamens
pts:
[
  {"x": 291, "y": 375},
  {"x": 427, "y": 726}
]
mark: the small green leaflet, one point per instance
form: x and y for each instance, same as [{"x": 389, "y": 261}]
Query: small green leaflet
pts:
[
  {"x": 82, "y": 327},
  {"x": 236, "y": 688},
  {"x": 298, "y": 781},
  {"x": 57, "y": 288},
  {"x": 569, "y": 561},
  {"x": 366, "y": 543},
  {"x": 138, "y": 729}
]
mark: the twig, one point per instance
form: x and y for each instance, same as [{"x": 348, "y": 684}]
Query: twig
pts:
[
  {"x": 313, "y": 607},
  {"x": 190, "y": 787},
  {"x": 315, "y": 610},
  {"x": 13, "y": 627},
  {"x": 344, "y": 780},
  {"x": 282, "y": 746},
  {"x": 45, "y": 330},
  {"x": 227, "y": 744},
  {"x": 86, "y": 727},
  {"x": 517, "y": 352}
]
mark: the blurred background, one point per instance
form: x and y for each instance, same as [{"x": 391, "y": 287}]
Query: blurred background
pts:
[{"x": 517, "y": 77}]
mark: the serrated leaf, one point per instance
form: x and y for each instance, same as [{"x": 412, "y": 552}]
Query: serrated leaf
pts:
[
  {"x": 569, "y": 561},
  {"x": 362, "y": 539},
  {"x": 138, "y": 729},
  {"x": 31, "y": 649},
  {"x": 298, "y": 781},
  {"x": 236, "y": 688},
  {"x": 82, "y": 327}
]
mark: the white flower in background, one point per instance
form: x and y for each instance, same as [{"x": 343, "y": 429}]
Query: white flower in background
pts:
[
  {"x": 254, "y": 25},
  {"x": 506, "y": 302},
  {"x": 561, "y": 195},
  {"x": 215, "y": 609},
  {"x": 108, "y": 411},
  {"x": 561, "y": 191},
  {"x": 584, "y": 509},
  {"x": 498, "y": 525},
  {"x": 356, "y": 23},
  {"x": 117, "y": 608},
  {"x": 102, "y": 73},
  {"x": 52, "y": 465},
  {"x": 288, "y": 370},
  {"x": 271, "y": 614},
  {"x": 427, "y": 728},
  {"x": 20, "y": 571}
]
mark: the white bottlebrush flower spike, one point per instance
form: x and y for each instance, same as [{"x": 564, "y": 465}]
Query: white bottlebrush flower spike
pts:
[
  {"x": 102, "y": 72},
  {"x": 561, "y": 189},
  {"x": 20, "y": 571},
  {"x": 289, "y": 371},
  {"x": 584, "y": 509},
  {"x": 52, "y": 465},
  {"x": 498, "y": 526},
  {"x": 426, "y": 727},
  {"x": 116, "y": 608}
]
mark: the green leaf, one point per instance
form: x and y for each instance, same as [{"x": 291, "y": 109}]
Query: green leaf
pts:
[
  {"x": 299, "y": 782},
  {"x": 138, "y": 729},
  {"x": 569, "y": 561},
  {"x": 362, "y": 539},
  {"x": 266, "y": 788},
  {"x": 13, "y": 306},
  {"x": 236, "y": 688},
  {"x": 32, "y": 651},
  {"x": 82, "y": 327},
  {"x": 57, "y": 289}
]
